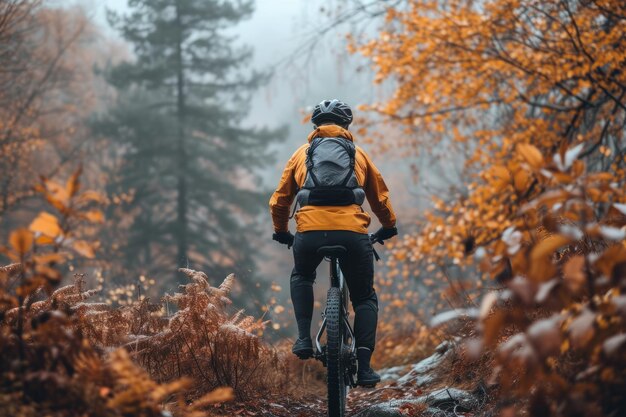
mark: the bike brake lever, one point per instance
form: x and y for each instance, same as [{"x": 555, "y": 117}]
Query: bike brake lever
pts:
[{"x": 374, "y": 239}]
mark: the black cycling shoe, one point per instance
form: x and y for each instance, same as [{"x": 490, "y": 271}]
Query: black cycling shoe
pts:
[
  {"x": 367, "y": 378},
  {"x": 303, "y": 348}
]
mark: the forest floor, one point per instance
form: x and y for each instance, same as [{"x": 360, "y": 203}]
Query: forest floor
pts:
[{"x": 418, "y": 389}]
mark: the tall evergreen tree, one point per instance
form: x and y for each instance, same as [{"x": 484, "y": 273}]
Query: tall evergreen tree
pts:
[{"x": 185, "y": 158}]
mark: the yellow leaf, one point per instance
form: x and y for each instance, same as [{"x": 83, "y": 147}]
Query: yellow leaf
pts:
[
  {"x": 46, "y": 224},
  {"x": 501, "y": 176},
  {"x": 531, "y": 155},
  {"x": 56, "y": 193},
  {"x": 84, "y": 248},
  {"x": 94, "y": 216},
  {"x": 548, "y": 246},
  {"x": 21, "y": 240},
  {"x": 73, "y": 184},
  {"x": 44, "y": 240},
  {"x": 521, "y": 180},
  {"x": 500, "y": 171}
]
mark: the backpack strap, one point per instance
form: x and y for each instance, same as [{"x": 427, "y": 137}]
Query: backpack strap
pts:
[
  {"x": 350, "y": 148},
  {"x": 309, "y": 160}
]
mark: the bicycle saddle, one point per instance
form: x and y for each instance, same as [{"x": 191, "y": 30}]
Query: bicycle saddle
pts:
[{"x": 332, "y": 251}]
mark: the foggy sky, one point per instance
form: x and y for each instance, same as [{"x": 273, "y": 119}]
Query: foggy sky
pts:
[
  {"x": 276, "y": 31},
  {"x": 279, "y": 31}
]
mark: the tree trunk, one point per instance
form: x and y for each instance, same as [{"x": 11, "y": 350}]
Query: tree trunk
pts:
[{"x": 181, "y": 157}]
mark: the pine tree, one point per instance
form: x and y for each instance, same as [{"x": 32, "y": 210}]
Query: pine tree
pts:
[{"x": 185, "y": 158}]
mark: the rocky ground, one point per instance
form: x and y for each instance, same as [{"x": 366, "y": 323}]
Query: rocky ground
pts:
[{"x": 421, "y": 389}]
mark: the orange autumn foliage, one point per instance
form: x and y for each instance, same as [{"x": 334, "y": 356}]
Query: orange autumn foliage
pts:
[
  {"x": 531, "y": 97},
  {"x": 489, "y": 79},
  {"x": 63, "y": 353},
  {"x": 48, "y": 60}
]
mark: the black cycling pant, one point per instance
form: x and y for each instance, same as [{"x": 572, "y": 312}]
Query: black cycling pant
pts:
[{"x": 358, "y": 269}]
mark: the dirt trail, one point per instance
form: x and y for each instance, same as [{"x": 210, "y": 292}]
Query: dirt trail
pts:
[{"x": 411, "y": 390}]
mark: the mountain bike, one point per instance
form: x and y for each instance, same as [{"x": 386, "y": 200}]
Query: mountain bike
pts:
[{"x": 339, "y": 353}]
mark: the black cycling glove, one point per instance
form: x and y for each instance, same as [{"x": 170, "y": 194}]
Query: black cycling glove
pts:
[
  {"x": 385, "y": 233},
  {"x": 286, "y": 238}
]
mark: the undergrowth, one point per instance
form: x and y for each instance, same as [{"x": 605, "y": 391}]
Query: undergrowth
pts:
[{"x": 65, "y": 355}]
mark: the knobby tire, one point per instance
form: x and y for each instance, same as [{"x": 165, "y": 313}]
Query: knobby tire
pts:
[{"x": 335, "y": 360}]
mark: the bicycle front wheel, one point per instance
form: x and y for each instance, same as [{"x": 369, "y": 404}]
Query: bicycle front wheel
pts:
[{"x": 334, "y": 354}]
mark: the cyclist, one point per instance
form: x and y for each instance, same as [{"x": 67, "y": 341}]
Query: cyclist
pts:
[{"x": 330, "y": 177}]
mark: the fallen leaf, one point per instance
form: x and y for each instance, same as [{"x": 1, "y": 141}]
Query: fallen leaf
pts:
[{"x": 218, "y": 395}]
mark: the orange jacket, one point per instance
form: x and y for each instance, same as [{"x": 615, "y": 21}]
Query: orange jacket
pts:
[{"x": 353, "y": 217}]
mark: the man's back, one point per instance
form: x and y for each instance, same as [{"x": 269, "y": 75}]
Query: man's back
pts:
[{"x": 351, "y": 217}]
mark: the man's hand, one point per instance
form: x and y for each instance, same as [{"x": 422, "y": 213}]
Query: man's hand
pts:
[
  {"x": 286, "y": 238},
  {"x": 385, "y": 233}
]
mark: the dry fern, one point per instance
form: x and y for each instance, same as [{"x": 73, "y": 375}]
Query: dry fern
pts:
[
  {"x": 204, "y": 341},
  {"x": 66, "y": 337}
]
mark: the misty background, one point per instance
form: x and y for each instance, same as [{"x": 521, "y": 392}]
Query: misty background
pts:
[
  {"x": 281, "y": 34},
  {"x": 305, "y": 47}
]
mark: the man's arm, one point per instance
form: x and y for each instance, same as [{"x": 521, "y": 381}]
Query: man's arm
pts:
[
  {"x": 377, "y": 194},
  {"x": 280, "y": 202}
]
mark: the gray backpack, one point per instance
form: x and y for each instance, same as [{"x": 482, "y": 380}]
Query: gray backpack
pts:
[{"x": 330, "y": 178}]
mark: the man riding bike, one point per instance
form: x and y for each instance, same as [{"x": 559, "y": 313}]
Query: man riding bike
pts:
[{"x": 330, "y": 177}]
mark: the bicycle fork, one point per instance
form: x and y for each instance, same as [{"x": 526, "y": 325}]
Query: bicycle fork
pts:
[{"x": 320, "y": 353}]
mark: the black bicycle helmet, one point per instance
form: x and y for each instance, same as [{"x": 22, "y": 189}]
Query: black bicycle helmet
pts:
[{"x": 334, "y": 111}]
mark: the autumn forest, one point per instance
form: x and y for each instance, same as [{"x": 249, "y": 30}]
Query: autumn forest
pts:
[{"x": 140, "y": 143}]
